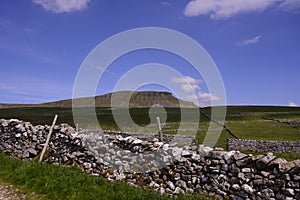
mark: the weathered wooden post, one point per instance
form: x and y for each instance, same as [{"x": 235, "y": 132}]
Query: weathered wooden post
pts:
[
  {"x": 77, "y": 128},
  {"x": 159, "y": 129},
  {"x": 48, "y": 139}
]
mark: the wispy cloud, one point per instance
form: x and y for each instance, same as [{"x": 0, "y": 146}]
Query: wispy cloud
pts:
[
  {"x": 288, "y": 5},
  {"x": 250, "y": 41},
  {"x": 293, "y": 104},
  {"x": 222, "y": 9},
  {"x": 25, "y": 50},
  {"x": 20, "y": 43},
  {"x": 60, "y": 6},
  {"x": 193, "y": 92},
  {"x": 4, "y": 87},
  {"x": 33, "y": 90},
  {"x": 165, "y": 3},
  {"x": 5, "y": 23},
  {"x": 28, "y": 30}
]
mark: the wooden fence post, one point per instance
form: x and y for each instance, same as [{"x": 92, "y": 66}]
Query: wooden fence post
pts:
[
  {"x": 77, "y": 128},
  {"x": 159, "y": 129},
  {"x": 48, "y": 139}
]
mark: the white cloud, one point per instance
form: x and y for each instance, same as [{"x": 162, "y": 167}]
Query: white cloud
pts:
[
  {"x": 222, "y": 9},
  {"x": 188, "y": 88},
  {"x": 193, "y": 92},
  {"x": 192, "y": 97},
  {"x": 60, "y": 6},
  {"x": 251, "y": 40},
  {"x": 188, "y": 84},
  {"x": 293, "y": 104},
  {"x": 203, "y": 98},
  {"x": 207, "y": 97},
  {"x": 186, "y": 80},
  {"x": 290, "y": 5}
]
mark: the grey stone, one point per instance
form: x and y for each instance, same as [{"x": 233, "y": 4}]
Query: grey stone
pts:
[
  {"x": 189, "y": 191},
  {"x": 181, "y": 183},
  {"x": 235, "y": 187},
  {"x": 186, "y": 153},
  {"x": 243, "y": 194},
  {"x": 278, "y": 162},
  {"x": 228, "y": 155},
  {"x": 25, "y": 134},
  {"x": 179, "y": 190},
  {"x": 186, "y": 177},
  {"x": 244, "y": 161},
  {"x": 280, "y": 196},
  {"x": 166, "y": 147},
  {"x": 162, "y": 190},
  {"x": 216, "y": 154},
  {"x": 87, "y": 165},
  {"x": 222, "y": 193},
  {"x": 32, "y": 151},
  {"x": 171, "y": 185},
  {"x": 25, "y": 154},
  {"x": 286, "y": 177},
  {"x": 203, "y": 152},
  {"x": 238, "y": 155},
  {"x": 34, "y": 138},
  {"x": 264, "y": 161},
  {"x": 18, "y": 135},
  {"x": 296, "y": 177},
  {"x": 195, "y": 157},
  {"x": 247, "y": 188},
  {"x": 258, "y": 182},
  {"x": 137, "y": 142},
  {"x": 267, "y": 193},
  {"x": 265, "y": 174},
  {"x": 234, "y": 169},
  {"x": 289, "y": 192},
  {"x": 293, "y": 184},
  {"x": 246, "y": 170}
]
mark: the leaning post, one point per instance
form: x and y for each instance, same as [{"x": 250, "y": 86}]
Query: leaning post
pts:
[{"x": 48, "y": 139}]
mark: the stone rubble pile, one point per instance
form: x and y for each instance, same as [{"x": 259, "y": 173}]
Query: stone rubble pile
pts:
[
  {"x": 137, "y": 153},
  {"x": 264, "y": 146},
  {"x": 167, "y": 167}
]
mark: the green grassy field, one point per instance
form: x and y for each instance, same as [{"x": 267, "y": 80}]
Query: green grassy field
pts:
[
  {"x": 56, "y": 182},
  {"x": 247, "y": 122}
]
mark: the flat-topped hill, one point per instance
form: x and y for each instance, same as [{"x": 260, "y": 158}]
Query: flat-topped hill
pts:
[{"x": 137, "y": 99}]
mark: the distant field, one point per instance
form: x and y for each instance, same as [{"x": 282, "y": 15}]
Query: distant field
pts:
[{"x": 247, "y": 122}]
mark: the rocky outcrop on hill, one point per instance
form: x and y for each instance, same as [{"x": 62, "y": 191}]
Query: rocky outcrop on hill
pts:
[{"x": 170, "y": 166}]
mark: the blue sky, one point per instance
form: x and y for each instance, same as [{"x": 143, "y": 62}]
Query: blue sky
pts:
[{"x": 254, "y": 43}]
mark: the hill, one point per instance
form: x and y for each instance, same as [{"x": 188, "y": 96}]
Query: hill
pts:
[{"x": 137, "y": 99}]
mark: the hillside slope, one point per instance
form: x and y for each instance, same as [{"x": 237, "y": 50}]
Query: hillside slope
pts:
[{"x": 137, "y": 99}]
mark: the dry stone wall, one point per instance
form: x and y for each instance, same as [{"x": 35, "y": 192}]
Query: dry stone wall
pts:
[
  {"x": 263, "y": 146},
  {"x": 187, "y": 169}
]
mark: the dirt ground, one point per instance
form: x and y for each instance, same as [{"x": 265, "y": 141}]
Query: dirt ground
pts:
[{"x": 10, "y": 192}]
